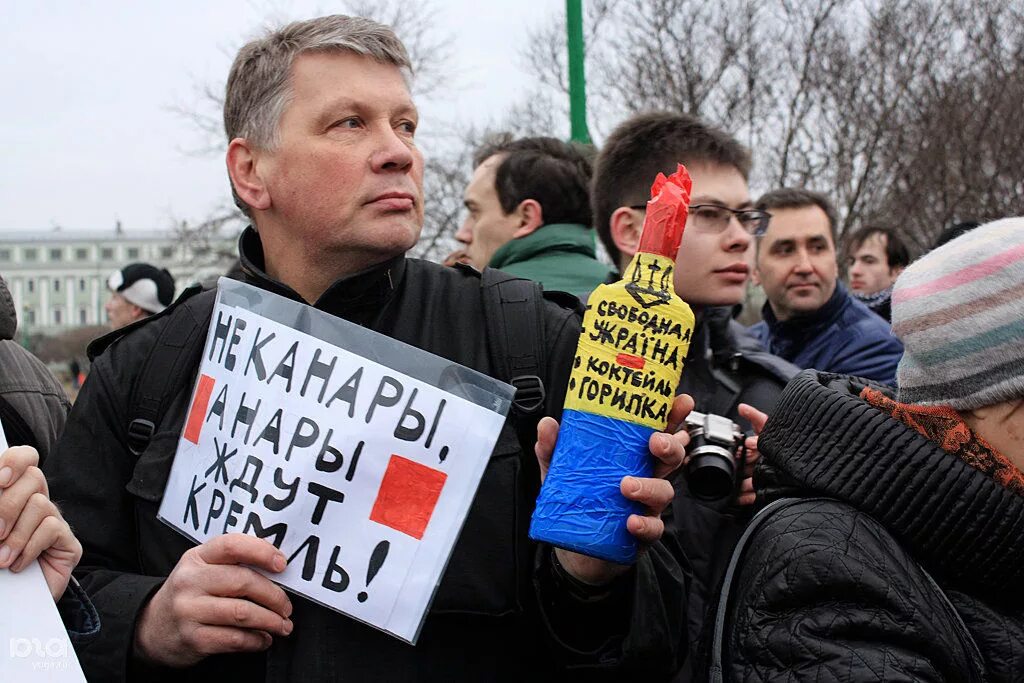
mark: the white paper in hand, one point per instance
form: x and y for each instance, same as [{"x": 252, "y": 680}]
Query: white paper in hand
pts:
[
  {"x": 34, "y": 645},
  {"x": 358, "y": 456}
]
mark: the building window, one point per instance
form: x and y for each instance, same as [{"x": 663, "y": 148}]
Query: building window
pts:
[
  {"x": 81, "y": 254},
  {"x": 56, "y": 316},
  {"x": 5, "y": 254},
  {"x": 166, "y": 253},
  {"x": 132, "y": 253},
  {"x": 81, "y": 284},
  {"x": 31, "y": 254},
  {"x": 107, "y": 253},
  {"x": 31, "y": 285},
  {"x": 56, "y": 284},
  {"x": 83, "y": 316},
  {"x": 30, "y": 316},
  {"x": 56, "y": 254}
]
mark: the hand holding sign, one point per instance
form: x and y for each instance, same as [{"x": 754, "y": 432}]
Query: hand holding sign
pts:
[
  {"x": 211, "y": 604},
  {"x": 668, "y": 449},
  {"x": 31, "y": 526},
  {"x": 351, "y": 455}
]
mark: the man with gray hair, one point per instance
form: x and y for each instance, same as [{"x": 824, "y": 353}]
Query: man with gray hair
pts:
[{"x": 322, "y": 158}]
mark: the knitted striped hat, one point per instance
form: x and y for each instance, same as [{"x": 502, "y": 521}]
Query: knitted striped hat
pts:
[{"x": 959, "y": 311}]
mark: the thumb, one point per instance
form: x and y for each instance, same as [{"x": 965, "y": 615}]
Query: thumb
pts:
[{"x": 547, "y": 435}]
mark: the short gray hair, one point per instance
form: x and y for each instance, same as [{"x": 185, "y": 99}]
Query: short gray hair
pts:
[{"x": 258, "y": 88}]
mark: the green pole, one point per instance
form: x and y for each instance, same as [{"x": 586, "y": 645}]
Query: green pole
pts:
[{"x": 577, "y": 80}]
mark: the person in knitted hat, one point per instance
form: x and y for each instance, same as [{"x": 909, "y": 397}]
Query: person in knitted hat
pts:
[
  {"x": 137, "y": 291},
  {"x": 889, "y": 544}
]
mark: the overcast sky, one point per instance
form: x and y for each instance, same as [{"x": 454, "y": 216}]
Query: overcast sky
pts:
[{"x": 87, "y": 134}]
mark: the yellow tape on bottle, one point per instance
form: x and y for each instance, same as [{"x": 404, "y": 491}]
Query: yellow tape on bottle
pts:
[{"x": 636, "y": 334}]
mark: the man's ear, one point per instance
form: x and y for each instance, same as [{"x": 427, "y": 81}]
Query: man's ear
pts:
[
  {"x": 626, "y": 224},
  {"x": 895, "y": 272},
  {"x": 245, "y": 177},
  {"x": 530, "y": 215}
]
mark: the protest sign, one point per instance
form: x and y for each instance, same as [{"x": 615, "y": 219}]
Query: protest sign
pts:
[
  {"x": 35, "y": 643},
  {"x": 355, "y": 454}
]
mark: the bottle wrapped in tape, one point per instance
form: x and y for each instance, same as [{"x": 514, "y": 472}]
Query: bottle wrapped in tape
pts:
[{"x": 636, "y": 333}]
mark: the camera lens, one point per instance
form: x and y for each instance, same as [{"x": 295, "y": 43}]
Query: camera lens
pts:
[{"x": 711, "y": 473}]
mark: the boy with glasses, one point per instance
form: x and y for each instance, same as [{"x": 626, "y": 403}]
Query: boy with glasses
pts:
[{"x": 725, "y": 365}]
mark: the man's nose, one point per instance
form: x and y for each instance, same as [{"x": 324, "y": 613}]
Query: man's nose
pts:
[
  {"x": 803, "y": 263},
  {"x": 393, "y": 152},
  {"x": 465, "y": 232}
]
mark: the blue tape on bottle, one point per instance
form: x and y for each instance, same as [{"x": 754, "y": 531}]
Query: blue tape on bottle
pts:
[{"x": 580, "y": 507}]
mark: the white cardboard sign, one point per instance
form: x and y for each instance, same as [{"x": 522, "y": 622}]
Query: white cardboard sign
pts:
[{"x": 361, "y": 474}]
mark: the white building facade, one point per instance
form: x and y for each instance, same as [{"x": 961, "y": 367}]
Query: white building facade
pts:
[{"x": 58, "y": 279}]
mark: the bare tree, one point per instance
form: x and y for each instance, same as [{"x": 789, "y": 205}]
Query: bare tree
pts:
[{"x": 902, "y": 110}]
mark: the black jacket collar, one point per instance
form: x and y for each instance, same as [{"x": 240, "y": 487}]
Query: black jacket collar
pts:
[
  {"x": 368, "y": 289},
  {"x": 810, "y": 325},
  {"x": 823, "y": 439}
]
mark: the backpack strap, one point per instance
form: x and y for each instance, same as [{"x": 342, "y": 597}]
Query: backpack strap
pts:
[
  {"x": 514, "y": 319},
  {"x": 513, "y": 308},
  {"x": 169, "y": 366}
]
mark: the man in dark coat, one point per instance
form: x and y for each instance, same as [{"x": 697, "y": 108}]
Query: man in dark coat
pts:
[
  {"x": 902, "y": 555},
  {"x": 322, "y": 158},
  {"x": 725, "y": 365}
]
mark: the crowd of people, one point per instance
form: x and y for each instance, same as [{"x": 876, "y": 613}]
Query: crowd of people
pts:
[{"x": 876, "y": 531}]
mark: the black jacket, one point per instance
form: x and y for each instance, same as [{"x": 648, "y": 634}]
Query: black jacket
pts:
[
  {"x": 910, "y": 569},
  {"x": 499, "y": 614}
]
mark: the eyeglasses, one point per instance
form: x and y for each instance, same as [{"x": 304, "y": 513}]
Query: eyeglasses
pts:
[{"x": 712, "y": 218}]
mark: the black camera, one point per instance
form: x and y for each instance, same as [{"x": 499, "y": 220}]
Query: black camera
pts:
[{"x": 716, "y": 456}]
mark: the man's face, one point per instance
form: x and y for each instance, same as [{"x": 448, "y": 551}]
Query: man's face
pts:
[
  {"x": 346, "y": 175},
  {"x": 868, "y": 266},
  {"x": 712, "y": 269},
  {"x": 120, "y": 312},
  {"x": 796, "y": 261},
  {"x": 487, "y": 227}
]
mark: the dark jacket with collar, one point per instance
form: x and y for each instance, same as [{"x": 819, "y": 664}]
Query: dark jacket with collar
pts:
[
  {"x": 500, "y": 612},
  {"x": 33, "y": 405},
  {"x": 560, "y": 256},
  {"x": 843, "y": 336},
  {"x": 725, "y": 366},
  {"x": 836, "y": 589}
]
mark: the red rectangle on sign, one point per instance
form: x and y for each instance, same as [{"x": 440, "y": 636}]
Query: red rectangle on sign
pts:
[
  {"x": 197, "y": 414},
  {"x": 628, "y": 361},
  {"x": 407, "y": 496}
]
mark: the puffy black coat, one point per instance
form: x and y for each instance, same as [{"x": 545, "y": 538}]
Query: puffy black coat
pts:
[
  {"x": 911, "y": 569},
  {"x": 499, "y": 613}
]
